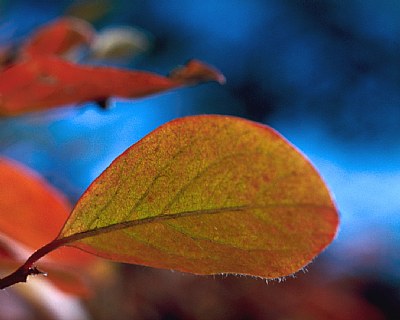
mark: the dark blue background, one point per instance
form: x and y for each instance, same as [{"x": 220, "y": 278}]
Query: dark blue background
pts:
[{"x": 326, "y": 74}]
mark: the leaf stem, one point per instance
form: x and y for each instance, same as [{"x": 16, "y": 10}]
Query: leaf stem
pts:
[{"x": 28, "y": 268}]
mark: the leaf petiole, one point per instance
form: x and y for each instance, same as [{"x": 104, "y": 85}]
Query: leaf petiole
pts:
[{"x": 28, "y": 268}]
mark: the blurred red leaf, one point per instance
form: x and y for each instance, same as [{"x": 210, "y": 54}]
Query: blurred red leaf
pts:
[
  {"x": 31, "y": 210},
  {"x": 31, "y": 214},
  {"x": 48, "y": 82},
  {"x": 39, "y": 78},
  {"x": 57, "y": 38}
]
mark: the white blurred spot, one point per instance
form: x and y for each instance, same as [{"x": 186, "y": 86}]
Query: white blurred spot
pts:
[{"x": 120, "y": 42}]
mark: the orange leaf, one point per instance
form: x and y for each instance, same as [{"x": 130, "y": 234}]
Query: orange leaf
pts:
[
  {"x": 206, "y": 195},
  {"x": 58, "y": 38},
  {"x": 32, "y": 213},
  {"x": 47, "y": 82}
]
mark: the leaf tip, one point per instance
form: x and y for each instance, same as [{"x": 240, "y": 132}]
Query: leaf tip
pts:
[{"x": 195, "y": 71}]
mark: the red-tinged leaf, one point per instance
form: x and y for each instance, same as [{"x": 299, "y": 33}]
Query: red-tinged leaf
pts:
[
  {"x": 194, "y": 72},
  {"x": 31, "y": 211},
  {"x": 32, "y": 214},
  {"x": 47, "y": 82},
  {"x": 58, "y": 38},
  {"x": 206, "y": 195}
]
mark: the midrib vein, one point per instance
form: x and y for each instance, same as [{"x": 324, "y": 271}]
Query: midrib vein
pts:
[{"x": 131, "y": 223}]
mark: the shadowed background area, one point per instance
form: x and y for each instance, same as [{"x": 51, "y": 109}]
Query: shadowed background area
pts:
[{"x": 326, "y": 74}]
